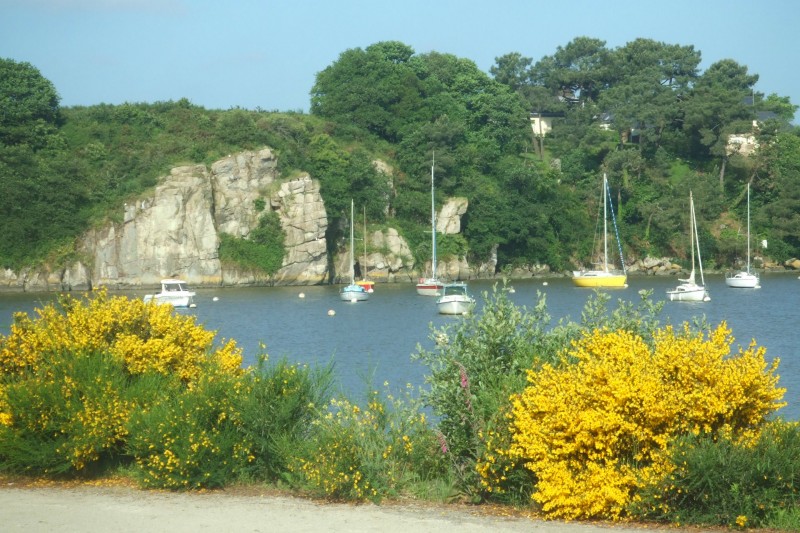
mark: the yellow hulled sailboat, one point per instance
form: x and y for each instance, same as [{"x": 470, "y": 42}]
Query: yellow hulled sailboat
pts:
[{"x": 603, "y": 277}]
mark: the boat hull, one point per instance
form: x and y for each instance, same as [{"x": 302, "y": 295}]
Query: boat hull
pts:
[
  {"x": 353, "y": 293},
  {"x": 429, "y": 287},
  {"x": 175, "y": 300},
  {"x": 455, "y": 299},
  {"x": 455, "y": 305},
  {"x": 742, "y": 280},
  {"x": 598, "y": 278},
  {"x": 688, "y": 293}
]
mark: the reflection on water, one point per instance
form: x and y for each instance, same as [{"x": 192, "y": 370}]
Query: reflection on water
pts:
[{"x": 372, "y": 342}]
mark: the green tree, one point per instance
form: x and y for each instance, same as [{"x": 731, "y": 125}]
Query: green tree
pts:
[
  {"x": 778, "y": 189},
  {"x": 29, "y": 111},
  {"x": 717, "y": 107},
  {"x": 650, "y": 79},
  {"x": 39, "y": 198},
  {"x": 374, "y": 89},
  {"x": 347, "y": 175},
  {"x": 780, "y": 105},
  {"x": 512, "y": 70},
  {"x": 579, "y": 70}
]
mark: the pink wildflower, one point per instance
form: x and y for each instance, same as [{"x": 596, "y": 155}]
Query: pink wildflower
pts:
[
  {"x": 465, "y": 385},
  {"x": 442, "y": 442}
]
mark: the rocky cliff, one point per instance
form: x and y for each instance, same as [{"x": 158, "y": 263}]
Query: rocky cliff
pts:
[{"x": 174, "y": 231}]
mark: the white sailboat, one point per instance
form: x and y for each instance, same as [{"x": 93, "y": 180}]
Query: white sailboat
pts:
[
  {"x": 603, "y": 277},
  {"x": 689, "y": 290},
  {"x": 353, "y": 292},
  {"x": 365, "y": 282},
  {"x": 431, "y": 286},
  {"x": 744, "y": 279}
]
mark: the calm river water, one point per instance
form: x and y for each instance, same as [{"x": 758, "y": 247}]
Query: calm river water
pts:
[{"x": 372, "y": 342}]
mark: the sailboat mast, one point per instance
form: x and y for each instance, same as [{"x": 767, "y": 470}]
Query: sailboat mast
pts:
[
  {"x": 697, "y": 243},
  {"x": 433, "y": 222},
  {"x": 364, "y": 271},
  {"x": 605, "y": 223},
  {"x": 352, "y": 258},
  {"x": 748, "y": 228},
  {"x": 691, "y": 230}
]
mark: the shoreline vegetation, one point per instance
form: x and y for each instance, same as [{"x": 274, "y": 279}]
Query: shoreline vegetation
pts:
[
  {"x": 500, "y": 277},
  {"x": 614, "y": 418},
  {"x": 78, "y": 171}
]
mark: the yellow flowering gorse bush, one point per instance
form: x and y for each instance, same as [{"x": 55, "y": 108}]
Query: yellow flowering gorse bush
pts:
[
  {"x": 192, "y": 440},
  {"x": 145, "y": 336},
  {"x": 366, "y": 453},
  {"x": 598, "y": 427},
  {"x": 68, "y": 369},
  {"x": 337, "y": 467}
]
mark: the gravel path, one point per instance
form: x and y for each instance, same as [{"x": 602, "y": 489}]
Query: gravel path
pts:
[{"x": 90, "y": 509}]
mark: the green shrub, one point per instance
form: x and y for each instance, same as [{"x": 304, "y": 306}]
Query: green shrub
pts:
[
  {"x": 278, "y": 412},
  {"x": 732, "y": 481},
  {"x": 191, "y": 437},
  {"x": 476, "y": 365},
  {"x": 384, "y": 449},
  {"x": 262, "y": 251},
  {"x": 80, "y": 383},
  {"x": 596, "y": 429},
  {"x": 69, "y": 415}
]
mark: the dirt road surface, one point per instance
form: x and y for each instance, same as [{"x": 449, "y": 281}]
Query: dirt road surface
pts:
[{"x": 121, "y": 509}]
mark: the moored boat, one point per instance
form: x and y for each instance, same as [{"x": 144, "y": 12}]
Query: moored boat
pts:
[
  {"x": 174, "y": 292},
  {"x": 431, "y": 286},
  {"x": 455, "y": 299},
  {"x": 604, "y": 277},
  {"x": 353, "y": 292},
  {"x": 688, "y": 290},
  {"x": 365, "y": 282},
  {"x": 368, "y": 284},
  {"x": 744, "y": 279}
]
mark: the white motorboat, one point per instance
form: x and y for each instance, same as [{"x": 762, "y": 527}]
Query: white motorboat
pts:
[
  {"x": 455, "y": 299},
  {"x": 174, "y": 292}
]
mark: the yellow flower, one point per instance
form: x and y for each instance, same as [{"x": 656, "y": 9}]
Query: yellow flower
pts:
[{"x": 599, "y": 427}]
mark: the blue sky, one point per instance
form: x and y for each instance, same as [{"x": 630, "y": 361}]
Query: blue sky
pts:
[{"x": 265, "y": 53}]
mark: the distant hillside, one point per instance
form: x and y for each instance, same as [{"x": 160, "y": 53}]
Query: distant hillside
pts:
[{"x": 657, "y": 129}]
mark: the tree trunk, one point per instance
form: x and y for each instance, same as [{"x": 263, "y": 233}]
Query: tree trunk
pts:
[
  {"x": 722, "y": 173},
  {"x": 541, "y": 148}
]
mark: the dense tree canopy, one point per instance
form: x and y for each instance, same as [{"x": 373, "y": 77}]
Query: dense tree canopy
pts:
[
  {"x": 642, "y": 113},
  {"x": 670, "y": 124},
  {"x": 35, "y": 193},
  {"x": 29, "y": 109}
]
